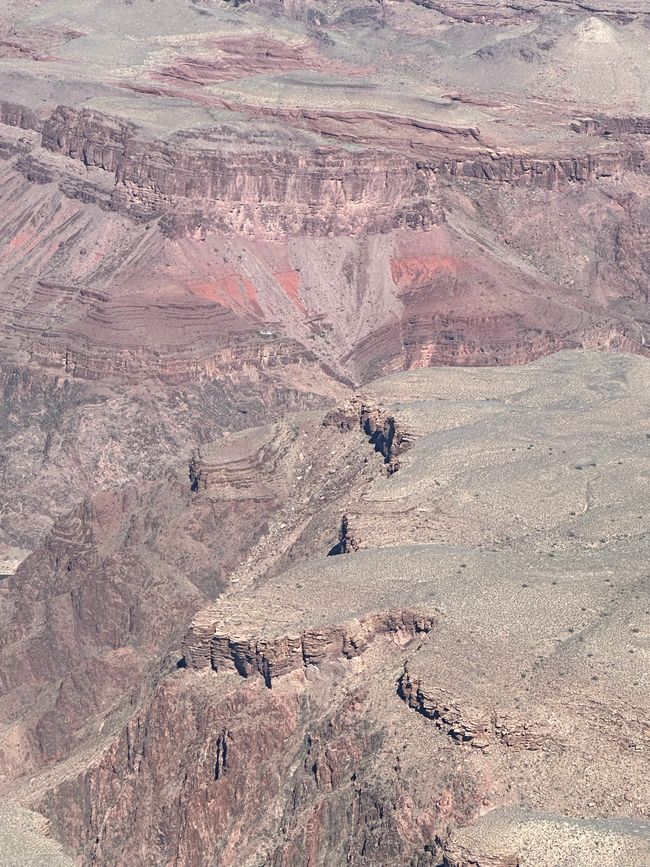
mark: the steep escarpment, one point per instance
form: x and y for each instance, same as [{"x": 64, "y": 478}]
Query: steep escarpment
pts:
[
  {"x": 178, "y": 363},
  {"x": 199, "y": 184},
  {"x": 329, "y": 190},
  {"x": 84, "y": 625},
  {"x": 315, "y": 778},
  {"x": 79, "y": 438},
  {"x": 473, "y": 727},
  {"x": 314, "y": 748},
  {"x": 613, "y": 126},
  {"x": 549, "y": 171},
  {"x": 219, "y": 225},
  {"x": 202, "y": 182},
  {"x": 276, "y": 656},
  {"x": 13, "y": 114},
  {"x": 375, "y": 703}
]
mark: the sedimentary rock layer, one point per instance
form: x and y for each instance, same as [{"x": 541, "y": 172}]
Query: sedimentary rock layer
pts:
[{"x": 276, "y": 656}]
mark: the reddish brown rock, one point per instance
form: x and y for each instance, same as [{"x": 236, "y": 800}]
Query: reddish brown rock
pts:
[{"x": 217, "y": 222}]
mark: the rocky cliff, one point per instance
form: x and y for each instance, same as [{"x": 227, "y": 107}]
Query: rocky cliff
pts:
[
  {"x": 219, "y": 224},
  {"x": 375, "y": 704},
  {"x": 613, "y": 126},
  {"x": 274, "y": 657},
  {"x": 200, "y": 183},
  {"x": 204, "y": 184}
]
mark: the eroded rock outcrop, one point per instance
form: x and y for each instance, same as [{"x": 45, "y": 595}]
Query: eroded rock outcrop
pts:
[
  {"x": 273, "y": 657},
  {"x": 489, "y": 640},
  {"x": 538, "y": 171},
  {"x": 369, "y": 193},
  {"x": 385, "y": 433},
  {"x": 13, "y": 114},
  {"x": 613, "y": 126},
  {"x": 172, "y": 364},
  {"x": 195, "y": 184},
  {"x": 348, "y": 541},
  {"x": 237, "y": 464},
  {"x": 475, "y": 727},
  {"x": 317, "y": 192}
]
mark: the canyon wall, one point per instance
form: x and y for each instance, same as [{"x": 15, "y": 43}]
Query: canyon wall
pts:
[
  {"x": 283, "y": 192},
  {"x": 613, "y": 126},
  {"x": 197, "y": 183}
]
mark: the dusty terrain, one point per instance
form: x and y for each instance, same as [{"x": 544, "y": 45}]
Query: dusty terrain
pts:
[
  {"x": 467, "y": 682},
  {"x": 245, "y": 206},
  {"x": 237, "y": 241}
]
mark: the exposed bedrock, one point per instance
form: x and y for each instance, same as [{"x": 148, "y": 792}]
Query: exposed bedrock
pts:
[
  {"x": 204, "y": 758},
  {"x": 94, "y": 293},
  {"x": 206, "y": 645},
  {"x": 414, "y": 690},
  {"x": 320, "y": 191},
  {"x": 472, "y": 726},
  {"x": 613, "y": 126},
  {"x": 538, "y": 171},
  {"x": 324, "y": 190},
  {"x": 242, "y": 464},
  {"x": 173, "y": 365},
  {"x": 21, "y": 116},
  {"x": 194, "y": 185},
  {"x": 385, "y": 433},
  {"x": 348, "y": 541}
]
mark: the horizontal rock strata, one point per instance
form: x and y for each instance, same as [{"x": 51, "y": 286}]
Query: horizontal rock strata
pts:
[
  {"x": 613, "y": 126},
  {"x": 318, "y": 192},
  {"x": 274, "y": 657},
  {"x": 196, "y": 183}
]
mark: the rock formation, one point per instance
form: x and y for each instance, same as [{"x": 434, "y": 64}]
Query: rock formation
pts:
[
  {"x": 236, "y": 241},
  {"x": 394, "y": 700}
]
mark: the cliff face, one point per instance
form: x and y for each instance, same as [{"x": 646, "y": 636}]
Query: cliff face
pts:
[
  {"x": 94, "y": 627},
  {"x": 283, "y": 654},
  {"x": 200, "y": 184},
  {"x": 478, "y": 728},
  {"x": 388, "y": 435},
  {"x": 256, "y": 752},
  {"x": 219, "y": 223},
  {"x": 548, "y": 172},
  {"x": 21, "y": 116},
  {"x": 174, "y": 364},
  {"x": 373, "y": 707},
  {"x": 328, "y": 191},
  {"x": 317, "y": 192},
  {"x": 614, "y": 126}
]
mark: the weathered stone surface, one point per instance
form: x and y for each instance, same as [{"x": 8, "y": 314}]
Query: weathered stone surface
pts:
[
  {"x": 217, "y": 222},
  {"x": 415, "y": 689},
  {"x": 274, "y": 657}
]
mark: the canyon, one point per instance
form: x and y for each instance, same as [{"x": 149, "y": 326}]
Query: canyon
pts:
[
  {"x": 404, "y": 701},
  {"x": 325, "y": 388}
]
